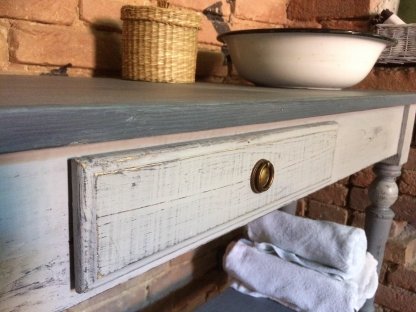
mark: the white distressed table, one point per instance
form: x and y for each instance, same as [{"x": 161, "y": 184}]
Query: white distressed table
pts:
[{"x": 103, "y": 179}]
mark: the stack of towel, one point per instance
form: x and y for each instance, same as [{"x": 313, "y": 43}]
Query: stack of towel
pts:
[{"x": 304, "y": 264}]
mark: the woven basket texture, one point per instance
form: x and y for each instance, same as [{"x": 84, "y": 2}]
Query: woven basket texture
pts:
[
  {"x": 404, "y": 51},
  {"x": 159, "y": 44}
]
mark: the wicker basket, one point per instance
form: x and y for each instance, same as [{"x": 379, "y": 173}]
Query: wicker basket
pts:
[
  {"x": 159, "y": 44},
  {"x": 405, "y": 50}
]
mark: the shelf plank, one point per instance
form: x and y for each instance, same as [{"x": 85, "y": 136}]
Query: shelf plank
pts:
[
  {"x": 233, "y": 301},
  {"x": 43, "y": 112}
]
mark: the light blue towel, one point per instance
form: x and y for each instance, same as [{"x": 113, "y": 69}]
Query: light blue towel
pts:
[
  {"x": 340, "y": 248},
  {"x": 261, "y": 274}
]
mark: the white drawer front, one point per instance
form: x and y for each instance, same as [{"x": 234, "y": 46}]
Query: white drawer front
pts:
[{"x": 134, "y": 207}]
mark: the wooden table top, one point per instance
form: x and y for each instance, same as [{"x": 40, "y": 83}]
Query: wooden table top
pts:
[{"x": 42, "y": 111}]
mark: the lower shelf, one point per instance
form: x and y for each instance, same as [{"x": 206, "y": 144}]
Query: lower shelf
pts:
[{"x": 233, "y": 301}]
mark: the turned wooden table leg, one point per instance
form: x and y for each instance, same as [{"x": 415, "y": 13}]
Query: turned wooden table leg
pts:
[{"x": 383, "y": 193}]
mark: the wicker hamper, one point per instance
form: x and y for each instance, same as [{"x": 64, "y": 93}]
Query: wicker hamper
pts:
[
  {"x": 404, "y": 51},
  {"x": 159, "y": 44}
]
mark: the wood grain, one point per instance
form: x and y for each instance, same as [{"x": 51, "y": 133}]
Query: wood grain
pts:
[
  {"x": 41, "y": 112},
  {"x": 134, "y": 207}
]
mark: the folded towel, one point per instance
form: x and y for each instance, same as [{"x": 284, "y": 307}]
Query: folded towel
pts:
[
  {"x": 366, "y": 281},
  {"x": 301, "y": 289},
  {"x": 306, "y": 263},
  {"x": 334, "y": 245}
]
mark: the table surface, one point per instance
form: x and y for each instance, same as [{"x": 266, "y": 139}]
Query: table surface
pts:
[
  {"x": 233, "y": 301},
  {"x": 43, "y": 111}
]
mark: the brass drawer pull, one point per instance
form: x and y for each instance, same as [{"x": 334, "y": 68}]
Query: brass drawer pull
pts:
[{"x": 262, "y": 176}]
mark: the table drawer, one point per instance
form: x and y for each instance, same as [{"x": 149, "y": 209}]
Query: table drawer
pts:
[{"x": 135, "y": 207}]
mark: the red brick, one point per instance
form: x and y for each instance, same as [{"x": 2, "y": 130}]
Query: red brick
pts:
[
  {"x": 184, "y": 259},
  {"x": 45, "y": 11},
  {"x": 171, "y": 280},
  {"x": 178, "y": 285},
  {"x": 345, "y": 181},
  {"x": 301, "y": 207},
  {"x": 105, "y": 13},
  {"x": 128, "y": 296},
  {"x": 397, "y": 227},
  {"x": 357, "y": 25},
  {"x": 321, "y": 211},
  {"x": 385, "y": 267},
  {"x": 335, "y": 194},
  {"x": 312, "y": 9},
  {"x": 302, "y": 10},
  {"x": 358, "y": 219},
  {"x": 4, "y": 46},
  {"x": 270, "y": 11},
  {"x": 303, "y": 24},
  {"x": 363, "y": 178},
  {"x": 181, "y": 275},
  {"x": 411, "y": 162},
  {"x": 403, "y": 277},
  {"x": 35, "y": 70},
  {"x": 201, "y": 263},
  {"x": 395, "y": 298},
  {"x": 59, "y": 45},
  {"x": 188, "y": 298},
  {"x": 191, "y": 266},
  {"x": 194, "y": 298},
  {"x": 393, "y": 79},
  {"x": 219, "y": 7},
  {"x": 405, "y": 209},
  {"x": 407, "y": 184},
  {"x": 208, "y": 250},
  {"x": 239, "y": 24},
  {"x": 197, "y": 293},
  {"x": 358, "y": 199},
  {"x": 210, "y": 29},
  {"x": 402, "y": 249}
]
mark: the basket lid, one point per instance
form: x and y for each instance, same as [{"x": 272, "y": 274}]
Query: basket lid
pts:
[{"x": 173, "y": 16}]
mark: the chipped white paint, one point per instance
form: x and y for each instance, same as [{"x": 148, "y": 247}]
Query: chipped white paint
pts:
[
  {"x": 138, "y": 206},
  {"x": 366, "y": 138},
  {"x": 35, "y": 269},
  {"x": 406, "y": 133}
]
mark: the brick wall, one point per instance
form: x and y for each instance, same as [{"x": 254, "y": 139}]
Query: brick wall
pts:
[
  {"x": 37, "y": 36},
  {"x": 179, "y": 285}
]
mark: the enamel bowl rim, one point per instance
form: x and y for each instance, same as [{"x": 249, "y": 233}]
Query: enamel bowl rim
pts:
[{"x": 389, "y": 41}]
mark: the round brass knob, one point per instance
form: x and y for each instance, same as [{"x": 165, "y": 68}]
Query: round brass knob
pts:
[{"x": 262, "y": 176}]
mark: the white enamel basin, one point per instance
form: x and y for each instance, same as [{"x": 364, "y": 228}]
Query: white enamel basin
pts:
[{"x": 304, "y": 58}]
